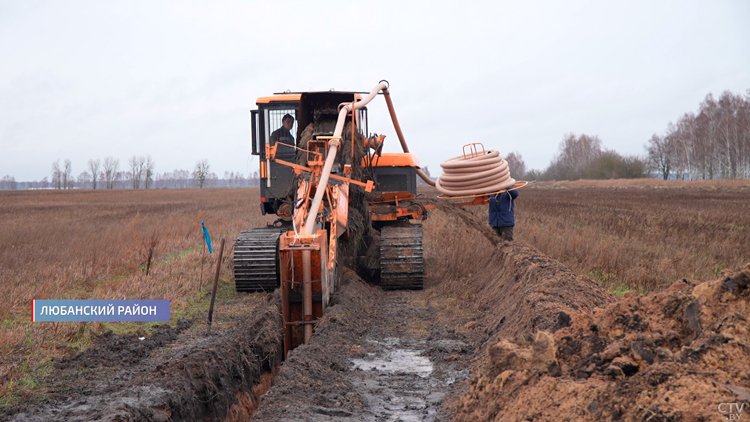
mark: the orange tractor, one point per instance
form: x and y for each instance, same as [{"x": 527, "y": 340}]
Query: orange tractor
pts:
[{"x": 339, "y": 200}]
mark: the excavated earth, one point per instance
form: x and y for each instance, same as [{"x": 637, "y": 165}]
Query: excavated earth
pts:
[
  {"x": 170, "y": 374},
  {"x": 522, "y": 338},
  {"x": 679, "y": 355}
]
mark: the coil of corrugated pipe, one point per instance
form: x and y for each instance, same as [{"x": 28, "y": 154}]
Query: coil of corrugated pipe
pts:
[{"x": 477, "y": 175}]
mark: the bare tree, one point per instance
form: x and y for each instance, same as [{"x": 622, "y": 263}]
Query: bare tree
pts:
[
  {"x": 68, "y": 174},
  {"x": 148, "y": 169},
  {"x": 56, "y": 174},
  {"x": 111, "y": 165},
  {"x": 212, "y": 180},
  {"x": 708, "y": 133},
  {"x": 574, "y": 156},
  {"x": 660, "y": 155},
  {"x": 534, "y": 174},
  {"x": 713, "y": 143},
  {"x": 120, "y": 180},
  {"x": 84, "y": 179},
  {"x": 201, "y": 172},
  {"x": 516, "y": 165},
  {"x": 611, "y": 165},
  {"x": 136, "y": 170},
  {"x": 8, "y": 183},
  {"x": 176, "y": 179},
  {"x": 94, "y": 169}
]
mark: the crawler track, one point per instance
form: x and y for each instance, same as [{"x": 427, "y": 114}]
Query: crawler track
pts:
[
  {"x": 256, "y": 267},
  {"x": 401, "y": 258}
]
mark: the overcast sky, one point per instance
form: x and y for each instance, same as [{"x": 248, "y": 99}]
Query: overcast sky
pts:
[{"x": 175, "y": 80}]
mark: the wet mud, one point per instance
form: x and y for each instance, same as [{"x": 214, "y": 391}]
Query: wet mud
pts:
[
  {"x": 195, "y": 376},
  {"x": 379, "y": 356},
  {"x": 113, "y": 350},
  {"x": 408, "y": 355}
]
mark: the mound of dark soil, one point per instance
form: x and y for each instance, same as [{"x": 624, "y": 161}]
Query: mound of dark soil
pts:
[
  {"x": 315, "y": 374},
  {"x": 522, "y": 291},
  {"x": 518, "y": 292},
  {"x": 199, "y": 376},
  {"x": 112, "y": 350},
  {"x": 376, "y": 355},
  {"x": 671, "y": 356}
]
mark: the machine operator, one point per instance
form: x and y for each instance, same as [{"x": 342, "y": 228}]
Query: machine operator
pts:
[{"x": 284, "y": 134}]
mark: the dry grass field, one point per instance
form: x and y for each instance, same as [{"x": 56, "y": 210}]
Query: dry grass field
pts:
[
  {"x": 626, "y": 234},
  {"x": 638, "y": 235},
  {"x": 95, "y": 245}
]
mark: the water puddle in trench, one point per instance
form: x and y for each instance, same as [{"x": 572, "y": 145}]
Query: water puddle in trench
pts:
[
  {"x": 396, "y": 360},
  {"x": 400, "y": 383}
]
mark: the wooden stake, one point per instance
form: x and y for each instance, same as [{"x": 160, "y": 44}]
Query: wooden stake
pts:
[
  {"x": 203, "y": 254},
  {"x": 148, "y": 264},
  {"x": 216, "y": 282}
]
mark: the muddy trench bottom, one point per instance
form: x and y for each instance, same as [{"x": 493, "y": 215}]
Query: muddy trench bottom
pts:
[{"x": 402, "y": 366}]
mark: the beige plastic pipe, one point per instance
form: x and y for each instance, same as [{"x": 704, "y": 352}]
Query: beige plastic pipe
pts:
[
  {"x": 332, "y": 148},
  {"x": 309, "y": 227},
  {"x": 474, "y": 176}
]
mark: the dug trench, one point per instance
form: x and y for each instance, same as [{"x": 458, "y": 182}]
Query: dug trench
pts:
[
  {"x": 174, "y": 373},
  {"x": 409, "y": 355},
  {"x": 500, "y": 332}
]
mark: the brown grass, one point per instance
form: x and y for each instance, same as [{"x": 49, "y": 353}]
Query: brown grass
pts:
[
  {"x": 627, "y": 234},
  {"x": 631, "y": 234},
  {"x": 652, "y": 183},
  {"x": 640, "y": 238},
  {"x": 457, "y": 246},
  {"x": 95, "y": 245}
]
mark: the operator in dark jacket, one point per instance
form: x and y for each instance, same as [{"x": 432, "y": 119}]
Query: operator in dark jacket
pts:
[
  {"x": 284, "y": 135},
  {"x": 502, "y": 213}
]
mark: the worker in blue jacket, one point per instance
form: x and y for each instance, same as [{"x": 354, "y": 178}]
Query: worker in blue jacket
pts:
[{"x": 502, "y": 213}]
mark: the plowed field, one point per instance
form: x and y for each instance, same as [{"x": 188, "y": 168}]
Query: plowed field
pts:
[{"x": 537, "y": 329}]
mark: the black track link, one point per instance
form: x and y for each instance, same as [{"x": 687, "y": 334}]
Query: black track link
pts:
[
  {"x": 401, "y": 258},
  {"x": 256, "y": 260}
]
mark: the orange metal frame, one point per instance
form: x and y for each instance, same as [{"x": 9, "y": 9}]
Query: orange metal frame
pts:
[
  {"x": 271, "y": 154},
  {"x": 387, "y": 207},
  {"x": 392, "y": 159},
  {"x": 322, "y": 245},
  {"x": 291, "y": 247},
  {"x": 473, "y": 151}
]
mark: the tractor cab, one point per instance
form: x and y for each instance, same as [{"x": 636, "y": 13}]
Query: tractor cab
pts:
[
  {"x": 392, "y": 172},
  {"x": 277, "y": 180}
]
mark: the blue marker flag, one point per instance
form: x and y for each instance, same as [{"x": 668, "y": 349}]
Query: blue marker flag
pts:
[{"x": 208, "y": 238}]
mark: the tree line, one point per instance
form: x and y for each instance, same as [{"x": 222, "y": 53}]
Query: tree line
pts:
[
  {"x": 713, "y": 143},
  {"x": 139, "y": 174},
  {"x": 581, "y": 157}
]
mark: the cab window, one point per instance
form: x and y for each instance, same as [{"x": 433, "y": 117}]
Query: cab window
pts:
[{"x": 280, "y": 132}]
